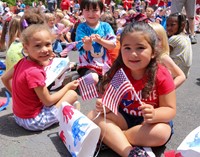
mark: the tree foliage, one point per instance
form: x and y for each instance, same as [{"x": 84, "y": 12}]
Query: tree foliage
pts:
[
  {"x": 26, "y": 2},
  {"x": 117, "y": 1}
]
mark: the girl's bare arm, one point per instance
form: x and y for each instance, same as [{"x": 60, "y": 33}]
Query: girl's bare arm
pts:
[
  {"x": 7, "y": 79},
  {"x": 50, "y": 99}
]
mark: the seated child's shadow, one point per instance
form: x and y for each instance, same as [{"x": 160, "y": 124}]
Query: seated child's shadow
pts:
[
  {"x": 2, "y": 92},
  {"x": 59, "y": 145},
  {"x": 198, "y": 81},
  {"x": 10, "y": 128}
]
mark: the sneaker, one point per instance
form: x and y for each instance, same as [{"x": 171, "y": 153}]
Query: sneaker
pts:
[
  {"x": 193, "y": 39},
  {"x": 138, "y": 152}
]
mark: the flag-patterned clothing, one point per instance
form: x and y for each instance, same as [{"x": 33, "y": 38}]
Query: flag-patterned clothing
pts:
[{"x": 97, "y": 56}]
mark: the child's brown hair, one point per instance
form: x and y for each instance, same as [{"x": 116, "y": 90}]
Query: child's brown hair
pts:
[
  {"x": 28, "y": 32},
  {"x": 31, "y": 16}
]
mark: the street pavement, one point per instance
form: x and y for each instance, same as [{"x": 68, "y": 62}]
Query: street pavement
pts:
[{"x": 17, "y": 142}]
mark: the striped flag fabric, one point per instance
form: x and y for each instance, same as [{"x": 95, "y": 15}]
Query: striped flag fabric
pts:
[
  {"x": 87, "y": 87},
  {"x": 118, "y": 86},
  {"x": 105, "y": 68}
]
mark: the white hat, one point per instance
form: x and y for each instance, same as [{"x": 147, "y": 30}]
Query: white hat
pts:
[
  {"x": 7, "y": 9},
  {"x": 122, "y": 13}
]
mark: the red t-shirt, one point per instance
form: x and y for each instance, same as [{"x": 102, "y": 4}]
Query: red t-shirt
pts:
[
  {"x": 154, "y": 2},
  {"x": 126, "y": 4},
  {"x": 164, "y": 85},
  {"x": 27, "y": 76},
  {"x": 65, "y": 4}
]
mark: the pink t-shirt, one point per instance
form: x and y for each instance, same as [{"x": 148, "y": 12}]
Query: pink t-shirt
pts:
[
  {"x": 27, "y": 76},
  {"x": 164, "y": 85}
]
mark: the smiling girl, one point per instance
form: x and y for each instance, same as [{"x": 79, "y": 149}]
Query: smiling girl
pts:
[
  {"x": 34, "y": 107},
  {"x": 147, "y": 124}
]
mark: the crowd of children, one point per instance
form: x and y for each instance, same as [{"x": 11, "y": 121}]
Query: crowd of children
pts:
[{"x": 142, "y": 37}]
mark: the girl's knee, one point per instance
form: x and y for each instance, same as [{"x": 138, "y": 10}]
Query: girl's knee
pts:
[
  {"x": 73, "y": 94},
  {"x": 163, "y": 132}
]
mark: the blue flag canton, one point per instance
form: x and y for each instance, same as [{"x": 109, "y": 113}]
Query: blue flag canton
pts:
[
  {"x": 88, "y": 79},
  {"x": 118, "y": 79}
]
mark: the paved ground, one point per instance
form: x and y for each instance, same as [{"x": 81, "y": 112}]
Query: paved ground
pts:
[{"x": 17, "y": 142}]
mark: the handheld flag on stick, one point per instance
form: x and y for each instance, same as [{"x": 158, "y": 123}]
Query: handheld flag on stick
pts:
[
  {"x": 118, "y": 86},
  {"x": 87, "y": 87}
]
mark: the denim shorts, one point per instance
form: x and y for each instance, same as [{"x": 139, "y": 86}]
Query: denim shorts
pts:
[{"x": 137, "y": 120}]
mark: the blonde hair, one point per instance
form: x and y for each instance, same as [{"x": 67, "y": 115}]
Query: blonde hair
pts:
[
  {"x": 131, "y": 12},
  {"x": 49, "y": 16},
  {"x": 162, "y": 36},
  {"x": 14, "y": 29},
  {"x": 32, "y": 29},
  {"x": 66, "y": 22},
  {"x": 60, "y": 14}
]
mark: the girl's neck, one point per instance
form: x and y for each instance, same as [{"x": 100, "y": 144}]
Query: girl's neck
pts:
[
  {"x": 138, "y": 75},
  {"x": 33, "y": 60},
  {"x": 93, "y": 25}
]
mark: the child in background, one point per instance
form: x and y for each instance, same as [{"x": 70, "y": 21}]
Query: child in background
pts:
[
  {"x": 59, "y": 16},
  {"x": 148, "y": 124},
  {"x": 150, "y": 14},
  {"x": 116, "y": 14},
  {"x": 13, "y": 54},
  {"x": 69, "y": 25},
  {"x": 76, "y": 7},
  {"x": 41, "y": 6},
  {"x": 113, "y": 53},
  {"x": 50, "y": 20},
  {"x": 15, "y": 51},
  {"x": 164, "y": 58},
  {"x": 94, "y": 38},
  {"x": 13, "y": 29},
  {"x": 179, "y": 42},
  {"x": 34, "y": 107},
  {"x": 6, "y": 18}
]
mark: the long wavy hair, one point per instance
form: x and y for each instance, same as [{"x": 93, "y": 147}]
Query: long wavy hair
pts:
[
  {"x": 151, "y": 69},
  {"x": 14, "y": 29}
]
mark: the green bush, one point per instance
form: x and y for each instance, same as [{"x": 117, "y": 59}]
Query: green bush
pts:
[
  {"x": 117, "y": 1},
  {"x": 26, "y": 2}
]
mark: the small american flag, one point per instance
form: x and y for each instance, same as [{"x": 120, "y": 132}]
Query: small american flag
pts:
[
  {"x": 118, "y": 86},
  {"x": 87, "y": 87}
]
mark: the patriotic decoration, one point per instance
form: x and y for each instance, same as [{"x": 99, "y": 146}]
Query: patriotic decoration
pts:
[
  {"x": 55, "y": 69},
  {"x": 77, "y": 131},
  {"x": 87, "y": 87},
  {"x": 118, "y": 86}
]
